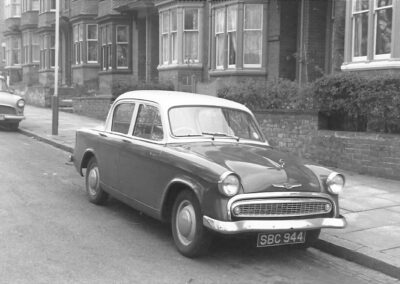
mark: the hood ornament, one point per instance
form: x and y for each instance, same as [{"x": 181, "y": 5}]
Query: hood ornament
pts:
[{"x": 287, "y": 185}]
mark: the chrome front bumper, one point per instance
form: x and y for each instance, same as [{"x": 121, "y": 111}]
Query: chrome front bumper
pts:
[
  {"x": 244, "y": 226},
  {"x": 11, "y": 117}
]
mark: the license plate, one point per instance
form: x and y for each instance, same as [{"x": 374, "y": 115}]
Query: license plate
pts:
[{"x": 280, "y": 239}]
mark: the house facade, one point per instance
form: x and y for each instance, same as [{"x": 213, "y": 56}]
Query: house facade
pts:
[{"x": 197, "y": 45}]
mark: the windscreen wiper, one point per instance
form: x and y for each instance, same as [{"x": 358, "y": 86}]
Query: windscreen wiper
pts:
[{"x": 221, "y": 134}]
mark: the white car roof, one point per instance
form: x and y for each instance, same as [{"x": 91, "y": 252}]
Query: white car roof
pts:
[{"x": 168, "y": 99}]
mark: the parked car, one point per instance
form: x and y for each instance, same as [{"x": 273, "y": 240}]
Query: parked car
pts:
[
  {"x": 11, "y": 107},
  {"x": 202, "y": 164}
]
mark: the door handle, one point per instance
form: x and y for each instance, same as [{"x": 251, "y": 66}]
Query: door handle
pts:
[
  {"x": 152, "y": 154},
  {"x": 126, "y": 141},
  {"x": 103, "y": 135}
]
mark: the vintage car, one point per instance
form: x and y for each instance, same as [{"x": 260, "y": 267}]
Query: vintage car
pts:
[
  {"x": 11, "y": 107},
  {"x": 202, "y": 164}
]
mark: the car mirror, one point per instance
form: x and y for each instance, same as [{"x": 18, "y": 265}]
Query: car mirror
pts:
[{"x": 11, "y": 91}]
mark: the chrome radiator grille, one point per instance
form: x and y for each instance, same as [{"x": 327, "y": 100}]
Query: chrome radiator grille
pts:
[
  {"x": 292, "y": 207},
  {"x": 7, "y": 110}
]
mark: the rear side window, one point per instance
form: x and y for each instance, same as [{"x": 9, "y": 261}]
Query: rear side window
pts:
[
  {"x": 148, "y": 123},
  {"x": 122, "y": 117}
]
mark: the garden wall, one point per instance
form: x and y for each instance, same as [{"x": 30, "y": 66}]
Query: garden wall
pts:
[
  {"x": 367, "y": 153},
  {"x": 93, "y": 106}
]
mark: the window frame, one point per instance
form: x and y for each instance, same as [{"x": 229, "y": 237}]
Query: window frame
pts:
[
  {"x": 135, "y": 122},
  {"x": 192, "y": 31},
  {"x": 118, "y": 43},
  {"x": 376, "y": 9},
  {"x": 88, "y": 40},
  {"x": 222, "y": 30},
  {"x": 252, "y": 30}
]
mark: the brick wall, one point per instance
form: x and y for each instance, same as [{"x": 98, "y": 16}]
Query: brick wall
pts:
[
  {"x": 96, "y": 107},
  {"x": 367, "y": 153},
  {"x": 290, "y": 131}
]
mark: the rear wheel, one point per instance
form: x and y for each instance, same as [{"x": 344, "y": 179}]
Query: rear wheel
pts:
[
  {"x": 191, "y": 238},
  {"x": 94, "y": 191}
]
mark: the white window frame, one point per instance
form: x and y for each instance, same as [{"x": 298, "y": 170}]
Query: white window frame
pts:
[
  {"x": 35, "y": 43},
  {"x": 92, "y": 40},
  {"x": 165, "y": 37},
  {"x": 117, "y": 43},
  {"x": 26, "y": 42},
  {"x": 252, "y": 30},
  {"x": 221, "y": 34},
  {"x": 78, "y": 41},
  {"x": 192, "y": 31},
  {"x": 376, "y": 9}
]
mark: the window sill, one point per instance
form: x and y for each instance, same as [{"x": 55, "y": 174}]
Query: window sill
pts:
[
  {"x": 371, "y": 65},
  {"x": 86, "y": 65},
  {"x": 115, "y": 71},
  {"x": 238, "y": 72},
  {"x": 180, "y": 66}
]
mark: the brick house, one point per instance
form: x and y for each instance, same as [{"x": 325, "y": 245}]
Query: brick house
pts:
[{"x": 197, "y": 45}]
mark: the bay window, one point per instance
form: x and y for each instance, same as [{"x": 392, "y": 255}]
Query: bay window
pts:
[
  {"x": 238, "y": 36},
  {"x": 114, "y": 46},
  {"x": 13, "y": 51},
  {"x": 371, "y": 33},
  {"x": 47, "y": 5},
  {"x": 30, "y": 5},
  {"x": 12, "y": 8},
  {"x": 47, "y": 51},
  {"x": 180, "y": 35}
]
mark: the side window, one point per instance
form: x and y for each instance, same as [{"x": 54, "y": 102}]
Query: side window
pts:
[
  {"x": 148, "y": 123},
  {"x": 122, "y": 117}
]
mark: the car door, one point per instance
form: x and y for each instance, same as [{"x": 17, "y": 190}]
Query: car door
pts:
[
  {"x": 139, "y": 162},
  {"x": 111, "y": 142}
]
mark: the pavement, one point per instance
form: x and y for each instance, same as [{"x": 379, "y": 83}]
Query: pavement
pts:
[{"x": 370, "y": 204}]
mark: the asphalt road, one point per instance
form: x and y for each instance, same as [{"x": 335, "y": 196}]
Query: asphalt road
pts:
[{"x": 50, "y": 233}]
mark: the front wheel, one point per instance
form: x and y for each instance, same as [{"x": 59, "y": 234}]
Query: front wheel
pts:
[
  {"x": 94, "y": 191},
  {"x": 191, "y": 238}
]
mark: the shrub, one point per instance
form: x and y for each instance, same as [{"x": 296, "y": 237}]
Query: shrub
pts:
[
  {"x": 273, "y": 94},
  {"x": 354, "y": 102},
  {"x": 118, "y": 88}
]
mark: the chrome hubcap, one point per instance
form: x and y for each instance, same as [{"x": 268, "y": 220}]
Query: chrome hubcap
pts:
[
  {"x": 186, "y": 222},
  {"x": 93, "y": 181}
]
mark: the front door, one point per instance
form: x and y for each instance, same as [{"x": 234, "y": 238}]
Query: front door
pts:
[{"x": 139, "y": 160}]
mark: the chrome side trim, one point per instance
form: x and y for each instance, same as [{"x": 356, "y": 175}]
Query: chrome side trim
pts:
[
  {"x": 267, "y": 195},
  {"x": 272, "y": 225}
]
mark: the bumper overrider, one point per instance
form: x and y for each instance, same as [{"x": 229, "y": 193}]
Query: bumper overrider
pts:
[{"x": 244, "y": 226}]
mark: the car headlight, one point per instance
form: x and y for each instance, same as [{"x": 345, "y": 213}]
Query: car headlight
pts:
[
  {"x": 21, "y": 103},
  {"x": 335, "y": 183},
  {"x": 229, "y": 184}
]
